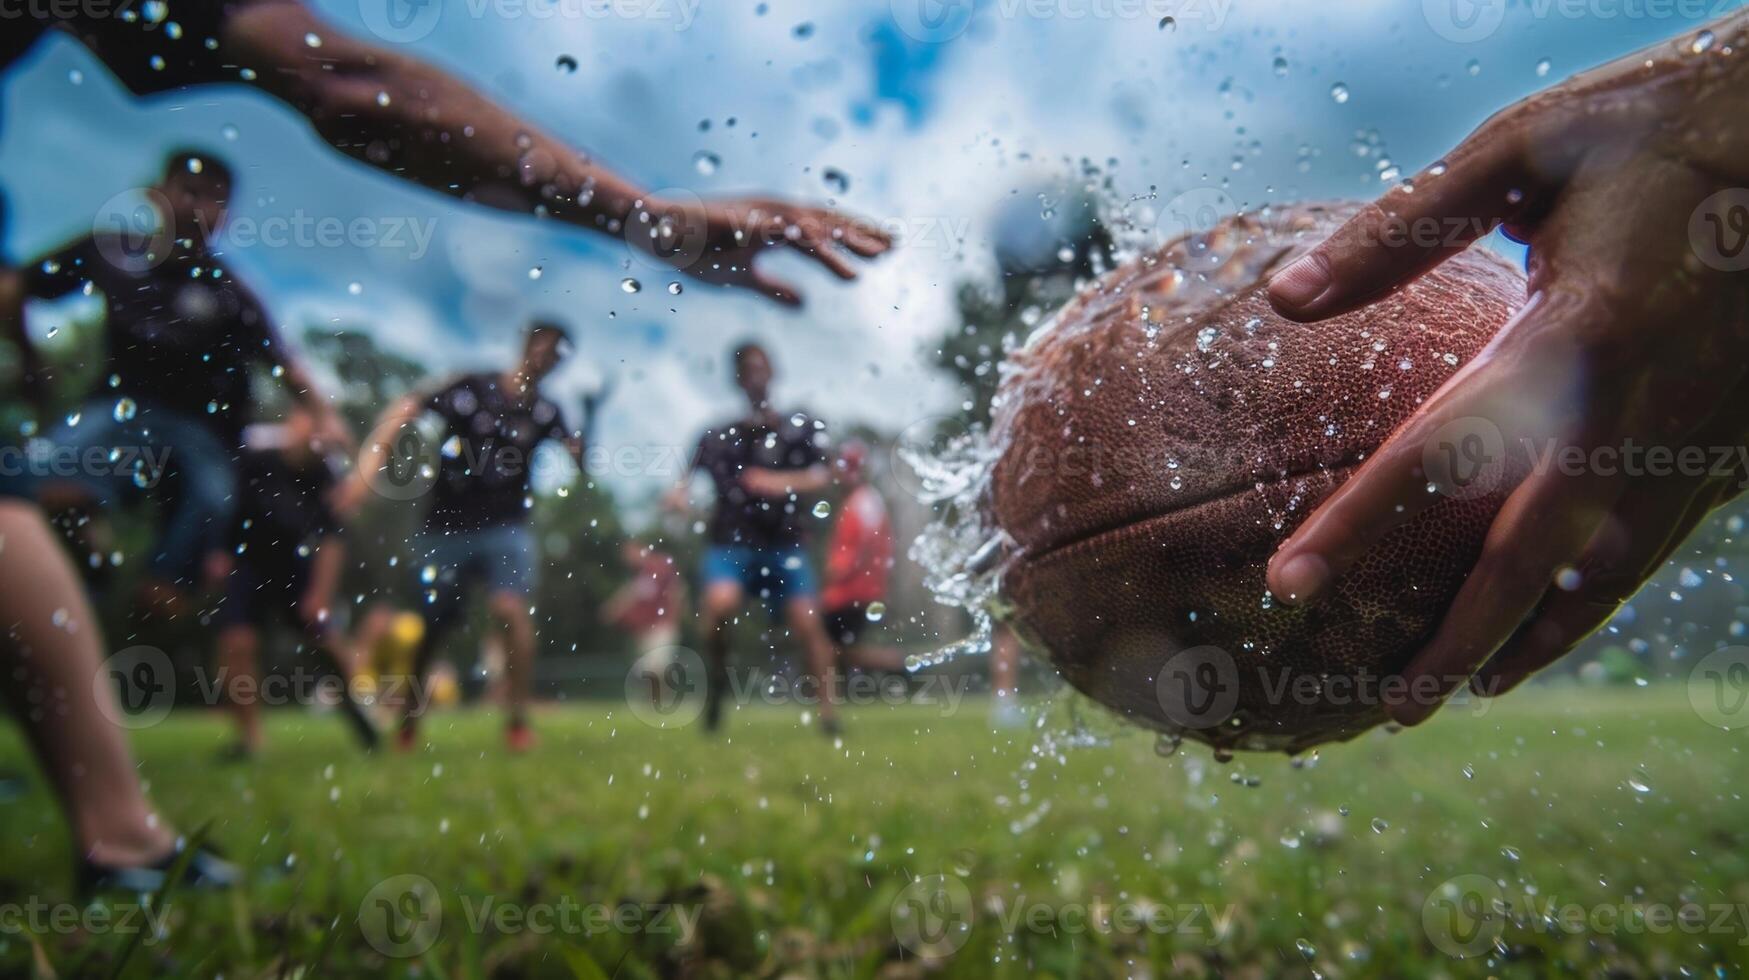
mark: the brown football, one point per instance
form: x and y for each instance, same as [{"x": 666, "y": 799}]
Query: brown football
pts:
[{"x": 1167, "y": 430}]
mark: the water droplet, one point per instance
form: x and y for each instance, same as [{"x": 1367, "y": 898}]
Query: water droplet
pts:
[
  {"x": 534, "y": 273},
  {"x": 706, "y": 162},
  {"x": 229, "y": 132},
  {"x": 1169, "y": 24},
  {"x": 566, "y": 64},
  {"x": 125, "y": 410},
  {"x": 1306, "y": 949},
  {"x": 312, "y": 40},
  {"x": 1542, "y": 68},
  {"x": 1568, "y": 579},
  {"x": 1205, "y": 338},
  {"x": 877, "y": 611},
  {"x": 1339, "y": 92},
  {"x": 76, "y": 76},
  {"x": 822, "y": 510},
  {"x": 630, "y": 285},
  {"x": 1703, "y": 42},
  {"x": 1379, "y": 825},
  {"x": 835, "y": 179},
  {"x": 804, "y": 30},
  {"x": 1474, "y": 67},
  {"x": 1280, "y": 67},
  {"x": 1438, "y": 169},
  {"x": 675, "y": 289},
  {"x": 1510, "y": 854}
]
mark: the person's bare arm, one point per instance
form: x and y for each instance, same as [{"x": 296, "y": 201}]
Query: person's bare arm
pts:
[
  {"x": 417, "y": 122},
  {"x": 783, "y": 483},
  {"x": 373, "y": 454},
  {"x": 315, "y": 604},
  {"x": 1628, "y": 183}
]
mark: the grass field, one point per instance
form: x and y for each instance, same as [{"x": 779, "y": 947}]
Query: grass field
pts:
[{"x": 619, "y": 850}]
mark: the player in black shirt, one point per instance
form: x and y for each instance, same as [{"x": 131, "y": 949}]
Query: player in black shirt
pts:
[
  {"x": 183, "y": 339},
  {"x": 287, "y": 556},
  {"x": 765, "y": 468},
  {"x": 476, "y": 532}
]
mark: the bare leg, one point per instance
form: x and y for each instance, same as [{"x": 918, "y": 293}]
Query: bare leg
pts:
[
  {"x": 510, "y": 610},
  {"x": 804, "y": 618},
  {"x": 1005, "y": 663},
  {"x": 869, "y": 656},
  {"x": 50, "y": 682},
  {"x": 722, "y": 600},
  {"x": 238, "y": 658}
]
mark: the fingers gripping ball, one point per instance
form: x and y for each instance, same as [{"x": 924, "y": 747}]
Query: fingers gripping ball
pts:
[{"x": 1168, "y": 430}]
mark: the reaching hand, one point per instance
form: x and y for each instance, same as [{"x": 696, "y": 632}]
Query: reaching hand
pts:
[
  {"x": 1631, "y": 186},
  {"x": 719, "y": 241}
]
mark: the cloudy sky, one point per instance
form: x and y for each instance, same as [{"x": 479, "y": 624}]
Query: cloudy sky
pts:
[{"x": 943, "y": 116}]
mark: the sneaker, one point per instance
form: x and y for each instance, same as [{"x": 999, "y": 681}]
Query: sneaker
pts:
[{"x": 206, "y": 871}]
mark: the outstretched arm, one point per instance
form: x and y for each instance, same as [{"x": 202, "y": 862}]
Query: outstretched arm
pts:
[
  {"x": 417, "y": 122},
  {"x": 1628, "y": 184}
]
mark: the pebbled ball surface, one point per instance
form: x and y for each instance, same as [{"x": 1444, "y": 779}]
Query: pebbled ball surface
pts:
[{"x": 1168, "y": 430}]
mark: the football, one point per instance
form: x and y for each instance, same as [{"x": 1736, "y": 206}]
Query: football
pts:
[{"x": 1159, "y": 437}]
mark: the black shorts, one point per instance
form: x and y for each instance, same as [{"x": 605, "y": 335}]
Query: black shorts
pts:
[
  {"x": 847, "y": 625},
  {"x": 257, "y": 595}
]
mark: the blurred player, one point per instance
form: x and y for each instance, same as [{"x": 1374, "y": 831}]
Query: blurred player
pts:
[
  {"x": 762, "y": 466},
  {"x": 184, "y": 338},
  {"x": 477, "y": 530},
  {"x": 648, "y": 606},
  {"x": 286, "y": 560},
  {"x": 859, "y": 562}
]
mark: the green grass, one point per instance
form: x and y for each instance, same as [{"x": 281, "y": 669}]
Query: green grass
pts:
[{"x": 790, "y": 853}]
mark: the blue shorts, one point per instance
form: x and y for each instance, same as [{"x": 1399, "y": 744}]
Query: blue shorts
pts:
[
  {"x": 448, "y": 563},
  {"x": 775, "y": 575}
]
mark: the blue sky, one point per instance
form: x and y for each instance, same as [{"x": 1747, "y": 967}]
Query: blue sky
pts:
[{"x": 938, "y": 137}]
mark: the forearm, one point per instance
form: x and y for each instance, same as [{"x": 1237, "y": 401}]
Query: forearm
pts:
[
  {"x": 415, "y": 121},
  {"x": 325, "y": 568},
  {"x": 811, "y": 480}
]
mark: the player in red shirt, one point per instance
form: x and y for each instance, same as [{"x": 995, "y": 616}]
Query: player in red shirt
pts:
[{"x": 858, "y": 564}]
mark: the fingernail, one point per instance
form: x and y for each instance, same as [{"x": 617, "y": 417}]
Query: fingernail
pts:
[
  {"x": 1301, "y": 579},
  {"x": 1301, "y": 284}
]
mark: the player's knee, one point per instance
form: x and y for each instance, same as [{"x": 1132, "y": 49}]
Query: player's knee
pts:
[
  {"x": 510, "y": 608},
  {"x": 721, "y": 601}
]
